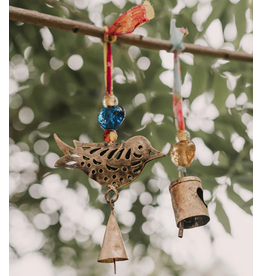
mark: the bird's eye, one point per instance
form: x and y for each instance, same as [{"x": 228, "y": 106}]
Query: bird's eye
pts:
[
  {"x": 140, "y": 147},
  {"x": 137, "y": 155}
]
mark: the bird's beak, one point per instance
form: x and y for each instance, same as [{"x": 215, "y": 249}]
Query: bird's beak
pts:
[
  {"x": 61, "y": 161},
  {"x": 154, "y": 154}
]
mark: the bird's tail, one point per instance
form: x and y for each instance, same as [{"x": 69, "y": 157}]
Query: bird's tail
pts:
[
  {"x": 65, "y": 160},
  {"x": 63, "y": 146}
]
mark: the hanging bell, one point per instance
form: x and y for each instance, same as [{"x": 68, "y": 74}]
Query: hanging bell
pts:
[
  {"x": 188, "y": 203},
  {"x": 113, "y": 248}
]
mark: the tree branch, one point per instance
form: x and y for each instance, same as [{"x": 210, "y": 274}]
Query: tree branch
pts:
[{"x": 40, "y": 19}]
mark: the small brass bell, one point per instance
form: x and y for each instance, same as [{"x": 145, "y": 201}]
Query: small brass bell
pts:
[
  {"x": 186, "y": 192},
  {"x": 113, "y": 248},
  {"x": 188, "y": 203}
]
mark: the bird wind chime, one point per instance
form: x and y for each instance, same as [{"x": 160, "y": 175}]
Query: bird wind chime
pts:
[
  {"x": 186, "y": 192},
  {"x": 115, "y": 165},
  {"x": 111, "y": 164}
]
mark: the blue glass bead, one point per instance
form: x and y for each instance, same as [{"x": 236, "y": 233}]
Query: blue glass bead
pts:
[{"x": 111, "y": 117}]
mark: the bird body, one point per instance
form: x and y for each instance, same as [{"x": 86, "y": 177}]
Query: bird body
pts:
[{"x": 116, "y": 164}]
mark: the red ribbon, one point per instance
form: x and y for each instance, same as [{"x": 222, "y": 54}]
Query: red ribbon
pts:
[
  {"x": 125, "y": 24},
  {"x": 178, "y": 112},
  {"x": 177, "y": 98},
  {"x": 109, "y": 67}
]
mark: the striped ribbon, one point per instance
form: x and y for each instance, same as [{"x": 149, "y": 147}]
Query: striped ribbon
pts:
[{"x": 176, "y": 39}]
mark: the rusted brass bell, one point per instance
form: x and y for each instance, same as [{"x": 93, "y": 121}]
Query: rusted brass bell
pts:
[
  {"x": 188, "y": 203},
  {"x": 113, "y": 248}
]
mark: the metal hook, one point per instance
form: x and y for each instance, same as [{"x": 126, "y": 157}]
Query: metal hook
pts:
[
  {"x": 111, "y": 200},
  {"x": 180, "y": 170},
  {"x": 111, "y": 204}
]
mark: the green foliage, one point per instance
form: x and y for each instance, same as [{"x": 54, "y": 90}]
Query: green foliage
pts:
[
  {"x": 66, "y": 102},
  {"x": 222, "y": 216}
]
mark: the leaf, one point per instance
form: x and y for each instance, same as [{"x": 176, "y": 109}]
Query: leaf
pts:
[
  {"x": 247, "y": 164},
  {"x": 199, "y": 80},
  {"x": 208, "y": 182},
  {"x": 240, "y": 20},
  {"x": 246, "y": 181},
  {"x": 216, "y": 143},
  {"x": 234, "y": 121},
  {"x": 222, "y": 216},
  {"x": 219, "y": 6},
  {"x": 221, "y": 92},
  {"x": 75, "y": 124},
  {"x": 212, "y": 170},
  {"x": 245, "y": 206},
  {"x": 162, "y": 104}
]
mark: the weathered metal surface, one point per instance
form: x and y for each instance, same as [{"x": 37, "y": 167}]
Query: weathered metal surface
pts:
[
  {"x": 113, "y": 248},
  {"x": 188, "y": 203},
  {"x": 109, "y": 163}
]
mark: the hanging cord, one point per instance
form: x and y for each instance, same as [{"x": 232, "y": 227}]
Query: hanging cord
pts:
[
  {"x": 176, "y": 38},
  {"x": 108, "y": 60},
  {"x": 125, "y": 24},
  {"x": 113, "y": 115}
]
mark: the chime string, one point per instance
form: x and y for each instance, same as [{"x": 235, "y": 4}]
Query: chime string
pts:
[
  {"x": 108, "y": 60},
  {"x": 177, "y": 98},
  {"x": 176, "y": 38},
  {"x": 125, "y": 24},
  {"x": 108, "y": 69}
]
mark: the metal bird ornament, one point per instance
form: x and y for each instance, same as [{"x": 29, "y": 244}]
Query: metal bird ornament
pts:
[
  {"x": 112, "y": 165},
  {"x": 109, "y": 164}
]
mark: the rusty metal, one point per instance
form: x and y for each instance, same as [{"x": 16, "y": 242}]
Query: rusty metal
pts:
[
  {"x": 113, "y": 248},
  {"x": 188, "y": 203},
  {"x": 181, "y": 229},
  {"x": 111, "y": 200},
  {"x": 110, "y": 164},
  {"x": 113, "y": 166}
]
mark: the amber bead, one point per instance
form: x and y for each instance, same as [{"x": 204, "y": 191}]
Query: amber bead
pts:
[{"x": 183, "y": 153}]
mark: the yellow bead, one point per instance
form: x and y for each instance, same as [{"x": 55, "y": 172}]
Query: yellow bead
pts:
[
  {"x": 183, "y": 153},
  {"x": 110, "y": 135},
  {"x": 110, "y": 100},
  {"x": 113, "y": 136},
  {"x": 182, "y": 135}
]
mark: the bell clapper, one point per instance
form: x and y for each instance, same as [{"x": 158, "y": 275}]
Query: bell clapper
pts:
[
  {"x": 112, "y": 205},
  {"x": 114, "y": 265},
  {"x": 181, "y": 228},
  {"x": 111, "y": 201},
  {"x": 179, "y": 174}
]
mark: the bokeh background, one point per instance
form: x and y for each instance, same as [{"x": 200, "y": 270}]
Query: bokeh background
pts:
[{"x": 58, "y": 216}]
